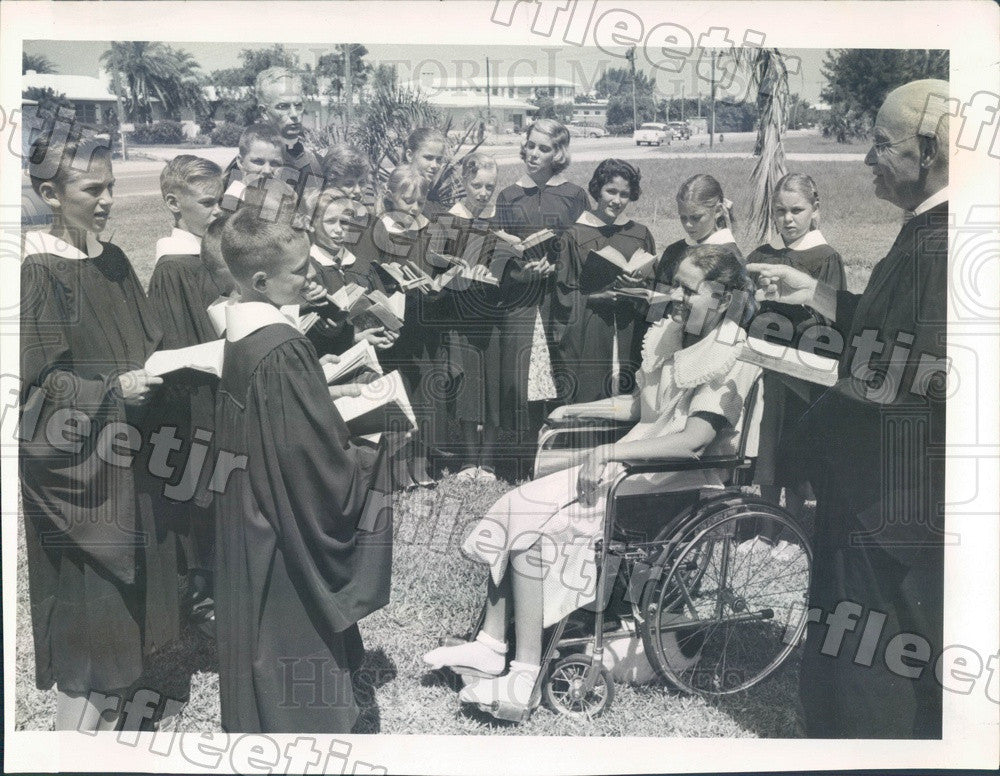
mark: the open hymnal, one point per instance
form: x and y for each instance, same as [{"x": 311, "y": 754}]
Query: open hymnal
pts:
[
  {"x": 789, "y": 361},
  {"x": 602, "y": 268},
  {"x": 406, "y": 275},
  {"x": 524, "y": 244},
  {"x": 346, "y": 296},
  {"x": 359, "y": 356},
  {"x": 206, "y": 357},
  {"x": 376, "y": 310},
  {"x": 382, "y": 406}
]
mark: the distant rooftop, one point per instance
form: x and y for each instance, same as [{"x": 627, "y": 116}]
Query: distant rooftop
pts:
[
  {"x": 75, "y": 87},
  {"x": 479, "y": 82}
]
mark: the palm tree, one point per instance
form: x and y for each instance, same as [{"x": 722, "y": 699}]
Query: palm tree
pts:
[
  {"x": 37, "y": 62},
  {"x": 154, "y": 70},
  {"x": 768, "y": 75}
]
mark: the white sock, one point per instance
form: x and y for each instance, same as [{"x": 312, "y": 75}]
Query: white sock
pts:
[{"x": 470, "y": 654}]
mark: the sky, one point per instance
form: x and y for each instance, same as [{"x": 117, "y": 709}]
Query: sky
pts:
[{"x": 582, "y": 65}]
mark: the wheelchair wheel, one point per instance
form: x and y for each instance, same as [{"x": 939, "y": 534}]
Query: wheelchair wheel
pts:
[
  {"x": 729, "y": 610},
  {"x": 566, "y": 688}
]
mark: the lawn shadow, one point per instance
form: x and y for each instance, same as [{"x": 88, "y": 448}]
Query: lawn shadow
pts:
[
  {"x": 169, "y": 671},
  {"x": 376, "y": 670}
]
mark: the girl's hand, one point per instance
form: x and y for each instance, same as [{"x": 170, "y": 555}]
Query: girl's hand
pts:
[
  {"x": 390, "y": 338},
  {"x": 589, "y": 478},
  {"x": 629, "y": 280},
  {"x": 329, "y": 358},
  {"x": 137, "y": 386},
  {"x": 376, "y": 337},
  {"x": 564, "y": 412},
  {"x": 482, "y": 273},
  {"x": 348, "y": 389}
]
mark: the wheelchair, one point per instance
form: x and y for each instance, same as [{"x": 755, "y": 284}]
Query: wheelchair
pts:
[{"x": 715, "y": 611}]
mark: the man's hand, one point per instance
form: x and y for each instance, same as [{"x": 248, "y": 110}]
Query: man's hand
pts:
[
  {"x": 779, "y": 283},
  {"x": 137, "y": 386}
]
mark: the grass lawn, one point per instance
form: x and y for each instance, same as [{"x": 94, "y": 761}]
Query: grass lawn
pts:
[{"x": 435, "y": 589}]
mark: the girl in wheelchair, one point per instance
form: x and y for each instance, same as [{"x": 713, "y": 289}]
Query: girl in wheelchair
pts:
[{"x": 538, "y": 540}]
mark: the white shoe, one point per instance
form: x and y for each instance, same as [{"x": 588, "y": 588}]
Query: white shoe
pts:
[
  {"x": 485, "y": 475},
  {"x": 786, "y": 551},
  {"x": 753, "y": 545},
  {"x": 515, "y": 687},
  {"x": 468, "y": 657},
  {"x": 468, "y": 473}
]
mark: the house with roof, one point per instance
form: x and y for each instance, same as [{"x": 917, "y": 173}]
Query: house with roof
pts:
[
  {"x": 91, "y": 96},
  {"x": 502, "y": 101}
]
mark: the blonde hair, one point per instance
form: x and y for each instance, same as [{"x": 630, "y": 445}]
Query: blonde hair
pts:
[
  {"x": 404, "y": 179},
  {"x": 560, "y": 141},
  {"x": 706, "y": 191}
]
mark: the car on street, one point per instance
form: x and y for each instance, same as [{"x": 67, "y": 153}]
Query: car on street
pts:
[
  {"x": 681, "y": 130},
  {"x": 652, "y": 133},
  {"x": 577, "y": 129}
]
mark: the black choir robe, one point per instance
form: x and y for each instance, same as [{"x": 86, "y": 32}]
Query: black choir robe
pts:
[
  {"x": 876, "y": 462},
  {"x": 333, "y": 273},
  {"x": 673, "y": 253},
  {"x": 784, "y": 401},
  {"x": 180, "y": 290},
  {"x": 522, "y": 209},
  {"x": 101, "y": 567},
  {"x": 472, "y": 318},
  {"x": 590, "y": 328},
  {"x": 304, "y": 544}
]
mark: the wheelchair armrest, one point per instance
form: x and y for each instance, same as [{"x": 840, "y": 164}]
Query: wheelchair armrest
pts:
[
  {"x": 585, "y": 422},
  {"x": 658, "y": 465}
]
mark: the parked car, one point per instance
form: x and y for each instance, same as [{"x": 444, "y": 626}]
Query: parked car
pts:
[
  {"x": 652, "y": 133},
  {"x": 576, "y": 129},
  {"x": 681, "y": 130}
]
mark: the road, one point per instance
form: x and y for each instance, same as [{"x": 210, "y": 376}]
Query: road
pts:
[{"x": 140, "y": 177}]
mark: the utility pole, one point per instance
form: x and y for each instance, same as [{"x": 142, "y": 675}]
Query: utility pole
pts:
[
  {"x": 711, "y": 135},
  {"x": 116, "y": 85},
  {"x": 682, "y": 102},
  {"x": 630, "y": 55},
  {"x": 348, "y": 86},
  {"x": 489, "y": 114}
]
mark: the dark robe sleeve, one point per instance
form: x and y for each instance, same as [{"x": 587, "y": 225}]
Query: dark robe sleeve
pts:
[
  {"x": 567, "y": 302},
  {"x": 312, "y": 484},
  {"x": 88, "y": 503},
  {"x": 178, "y": 300}
]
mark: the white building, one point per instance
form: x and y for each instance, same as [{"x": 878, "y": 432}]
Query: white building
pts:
[
  {"x": 595, "y": 113},
  {"x": 502, "y": 100}
]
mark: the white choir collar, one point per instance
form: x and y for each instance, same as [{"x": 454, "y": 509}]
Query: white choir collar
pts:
[
  {"x": 392, "y": 227},
  {"x": 810, "y": 239},
  {"x": 459, "y": 209},
  {"x": 933, "y": 200},
  {"x": 526, "y": 182},
  {"x": 721, "y": 237},
  {"x": 180, "y": 243},
  {"x": 244, "y": 318},
  {"x": 43, "y": 242},
  {"x": 323, "y": 256},
  {"x": 589, "y": 218}
]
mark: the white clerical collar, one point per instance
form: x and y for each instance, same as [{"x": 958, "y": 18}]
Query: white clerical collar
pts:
[
  {"x": 244, "y": 318},
  {"x": 43, "y": 242},
  {"x": 392, "y": 226},
  {"x": 589, "y": 218},
  {"x": 933, "y": 200},
  {"x": 461, "y": 211},
  {"x": 180, "y": 243},
  {"x": 721, "y": 237},
  {"x": 526, "y": 181},
  {"x": 810, "y": 239},
  {"x": 324, "y": 257}
]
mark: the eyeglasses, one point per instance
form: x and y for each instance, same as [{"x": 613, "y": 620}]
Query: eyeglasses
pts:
[{"x": 881, "y": 146}]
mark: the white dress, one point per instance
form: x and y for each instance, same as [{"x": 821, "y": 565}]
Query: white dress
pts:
[{"x": 674, "y": 383}]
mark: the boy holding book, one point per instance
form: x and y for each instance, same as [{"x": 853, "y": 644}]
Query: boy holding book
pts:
[
  {"x": 303, "y": 540},
  {"x": 181, "y": 288}
]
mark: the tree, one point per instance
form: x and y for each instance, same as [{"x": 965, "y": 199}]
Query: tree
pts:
[
  {"x": 859, "y": 79},
  {"x": 615, "y": 84},
  {"x": 154, "y": 70},
  {"x": 550, "y": 109},
  {"x": 331, "y": 66},
  {"x": 37, "y": 62}
]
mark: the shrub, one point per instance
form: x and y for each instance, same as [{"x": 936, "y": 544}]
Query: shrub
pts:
[
  {"x": 158, "y": 133},
  {"x": 227, "y": 134}
]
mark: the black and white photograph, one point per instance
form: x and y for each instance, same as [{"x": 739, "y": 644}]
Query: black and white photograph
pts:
[{"x": 552, "y": 386}]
